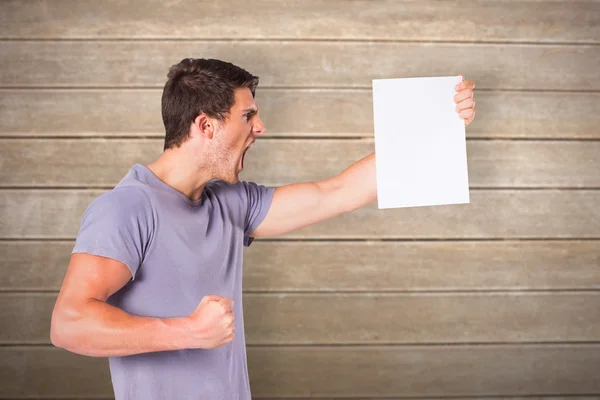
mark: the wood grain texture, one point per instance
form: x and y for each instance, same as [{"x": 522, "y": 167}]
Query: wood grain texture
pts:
[
  {"x": 323, "y": 319},
  {"x": 290, "y": 112},
  {"x": 371, "y": 371},
  {"x": 433, "y": 371},
  {"x": 415, "y": 318},
  {"x": 506, "y": 214},
  {"x": 561, "y": 21},
  {"x": 359, "y": 266},
  {"x": 300, "y": 64},
  {"x": 103, "y": 162},
  {"x": 421, "y": 318},
  {"x": 377, "y": 266}
]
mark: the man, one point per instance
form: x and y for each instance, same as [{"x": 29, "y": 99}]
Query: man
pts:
[{"x": 155, "y": 278}]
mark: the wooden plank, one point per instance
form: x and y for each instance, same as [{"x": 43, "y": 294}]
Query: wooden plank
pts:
[
  {"x": 388, "y": 266},
  {"x": 562, "y": 21},
  {"x": 46, "y": 372},
  {"x": 290, "y": 112},
  {"x": 43, "y": 212},
  {"x": 506, "y": 214},
  {"x": 322, "y": 372},
  {"x": 359, "y": 266},
  {"x": 300, "y": 64},
  {"x": 103, "y": 163},
  {"x": 368, "y": 318},
  {"x": 424, "y": 371},
  {"x": 421, "y": 318}
]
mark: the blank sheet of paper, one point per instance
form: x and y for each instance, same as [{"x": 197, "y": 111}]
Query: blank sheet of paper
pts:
[{"x": 420, "y": 146}]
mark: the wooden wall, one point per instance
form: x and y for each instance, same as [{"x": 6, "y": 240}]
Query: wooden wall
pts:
[{"x": 498, "y": 299}]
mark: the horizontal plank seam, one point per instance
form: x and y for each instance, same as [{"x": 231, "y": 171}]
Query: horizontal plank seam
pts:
[
  {"x": 37, "y": 397},
  {"x": 310, "y": 89},
  {"x": 483, "y": 188},
  {"x": 592, "y": 290},
  {"x": 308, "y": 40},
  {"x": 416, "y": 239},
  {"x": 384, "y": 345},
  {"x": 312, "y": 136},
  {"x": 11, "y": 291},
  {"x": 487, "y": 396},
  {"x": 365, "y": 343},
  {"x": 590, "y": 396},
  {"x": 333, "y": 87},
  {"x": 342, "y": 240},
  {"x": 370, "y": 346},
  {"x": 279, "y": 137},
  {"x": 354, "y": 240}
]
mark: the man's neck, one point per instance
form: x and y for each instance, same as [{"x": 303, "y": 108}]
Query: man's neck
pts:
[{"x": 180, "y": 171}]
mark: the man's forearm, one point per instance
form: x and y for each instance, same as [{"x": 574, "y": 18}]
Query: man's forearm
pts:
[
  {"x": 101, "y": 330},
  {"x": 298, "y": 205},
  {"x": 358, "y": 185}
]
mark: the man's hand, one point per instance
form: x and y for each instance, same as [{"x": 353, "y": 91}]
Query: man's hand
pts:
[
  {"x": 212, "y": 324},
  {"x": 465, "y": 104}
]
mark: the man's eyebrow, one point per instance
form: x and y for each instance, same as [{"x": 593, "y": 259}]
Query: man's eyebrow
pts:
[{"x": 252, "y": 109}]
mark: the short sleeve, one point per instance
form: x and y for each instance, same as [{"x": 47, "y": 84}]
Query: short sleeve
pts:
[
  {"x": 119, "y": 225},
  {"x": 259, "y": 199}
]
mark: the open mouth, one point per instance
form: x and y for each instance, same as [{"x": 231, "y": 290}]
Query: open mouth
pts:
[{"x": 245, "y": 151}]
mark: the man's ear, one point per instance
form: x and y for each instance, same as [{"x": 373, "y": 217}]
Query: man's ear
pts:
[{"x": 205, "y": 126}]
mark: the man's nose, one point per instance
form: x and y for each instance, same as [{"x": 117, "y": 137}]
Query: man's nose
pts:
[{"x": 259, "y": 127}]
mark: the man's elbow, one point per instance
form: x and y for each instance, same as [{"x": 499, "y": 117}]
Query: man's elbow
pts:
[{"x": 63, "y": 327}]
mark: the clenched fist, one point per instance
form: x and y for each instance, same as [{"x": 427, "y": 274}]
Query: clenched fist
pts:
[{"x": 211, "y": 324}]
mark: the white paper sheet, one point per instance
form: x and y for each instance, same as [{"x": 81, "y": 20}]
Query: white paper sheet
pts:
[{"x": 420, "y": 146}]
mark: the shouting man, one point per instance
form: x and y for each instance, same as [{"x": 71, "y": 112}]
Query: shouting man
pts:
[{"x": 155, "y": 278}]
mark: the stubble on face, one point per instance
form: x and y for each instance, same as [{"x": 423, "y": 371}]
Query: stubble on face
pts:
[
  {"x": 231, "y": 139},
  {"x": 223, "y": 158}
]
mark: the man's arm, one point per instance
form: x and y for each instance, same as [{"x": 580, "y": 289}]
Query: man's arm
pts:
[
  {"x": 298, "y": 205},
  {"x": 82, "y": 321},
  {"x": 301, "y": 204}
]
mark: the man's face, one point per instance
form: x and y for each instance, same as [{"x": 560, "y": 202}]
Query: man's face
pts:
[{"x": 235, "y": 135}]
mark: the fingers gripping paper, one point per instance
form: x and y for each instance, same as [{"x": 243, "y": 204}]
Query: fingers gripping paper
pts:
[{"x": 420, "y": 144}]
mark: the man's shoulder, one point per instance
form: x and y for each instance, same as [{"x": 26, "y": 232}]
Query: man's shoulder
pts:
[
  {"x": 124, "y": 199},
  {"x": 219, "y": 186},
  {"x": 238, "y": 192},
  {"x": 222, "y": 188}
]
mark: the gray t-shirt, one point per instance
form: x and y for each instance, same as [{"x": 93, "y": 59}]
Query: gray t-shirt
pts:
[{"x": 178, "y": 251}]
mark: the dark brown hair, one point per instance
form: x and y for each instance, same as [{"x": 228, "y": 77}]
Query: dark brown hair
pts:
[{"x": 196, "y": 86}]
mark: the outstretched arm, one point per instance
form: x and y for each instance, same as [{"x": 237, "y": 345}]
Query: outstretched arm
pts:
[{"x": 301, "y": 204}]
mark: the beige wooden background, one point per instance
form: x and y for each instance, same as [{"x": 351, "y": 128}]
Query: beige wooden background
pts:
[{"x": 499, "y": 298}]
